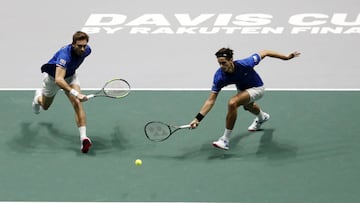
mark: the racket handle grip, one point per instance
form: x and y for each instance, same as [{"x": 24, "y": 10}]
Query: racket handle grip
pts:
[
  {"x": 185, "y": 126},
  {"x": 90, "y": 96}
]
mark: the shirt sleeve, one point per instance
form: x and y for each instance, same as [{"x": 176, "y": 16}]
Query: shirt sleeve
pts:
[
  {"x": 63, "y": 59},
  {"x": 251, "y": 61},
  {"x": 217, "y": 82}
]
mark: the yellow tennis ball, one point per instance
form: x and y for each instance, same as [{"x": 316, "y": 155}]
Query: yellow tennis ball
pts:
[{"x": 138, "y": 162}]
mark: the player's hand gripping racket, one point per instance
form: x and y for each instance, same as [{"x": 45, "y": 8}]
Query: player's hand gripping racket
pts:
[
  {"x": 158, "y": 131},
  {"x": 115, "y": 88}
]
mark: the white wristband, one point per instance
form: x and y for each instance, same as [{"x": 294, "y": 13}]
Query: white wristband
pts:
[{"x": 74, "y": 92}]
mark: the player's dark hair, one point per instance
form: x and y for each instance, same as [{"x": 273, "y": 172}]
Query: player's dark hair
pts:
[
  {"x": 224, "y": 52},
  {"x": 79, "y": 35}
]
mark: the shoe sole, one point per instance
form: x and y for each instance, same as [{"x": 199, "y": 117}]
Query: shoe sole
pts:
[
  {"x": 86, "y": 146},
  {"x": 217, "y": 146}
]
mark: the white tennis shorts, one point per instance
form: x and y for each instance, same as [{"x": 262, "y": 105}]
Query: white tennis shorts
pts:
[
  {"x": 50, "y": 88},
  {"x": 255, "y": 93}
]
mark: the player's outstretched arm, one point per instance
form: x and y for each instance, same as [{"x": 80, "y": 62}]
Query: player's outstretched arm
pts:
[
  {"x": 207, "y": 106},
  {"x": 274, "y": 54}
]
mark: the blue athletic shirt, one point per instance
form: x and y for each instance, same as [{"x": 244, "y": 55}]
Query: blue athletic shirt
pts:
[
  {"x": 66, "y": 59},
  {"x": 243, "y": 77}
]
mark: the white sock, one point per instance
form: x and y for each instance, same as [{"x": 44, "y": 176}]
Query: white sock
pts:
[
  {"x": 82, "y": 130},
  {"x": 260, "y": 115},
  {"x": 227, "y": 134},
  {"x": 37, "y": 100},
  {"x": 37, "y": 97}
]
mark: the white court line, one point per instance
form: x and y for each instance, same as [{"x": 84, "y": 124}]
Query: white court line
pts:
[
  {"x": 203, "y": 89},
  {"x": 96, "y": 202},
  {"x": 106, "y": 202}
]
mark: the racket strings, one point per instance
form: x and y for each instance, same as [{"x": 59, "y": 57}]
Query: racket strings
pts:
[
  {"x": 157, "y": 131},
  {"x": 117, "y": 88}
]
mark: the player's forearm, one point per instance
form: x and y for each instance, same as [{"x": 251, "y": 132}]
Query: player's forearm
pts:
[
  {"x": 62, "y": 84},
  {"x": 202, "y": 113},
  {"x": 273, "y": 54},
  {"x": 278, "y": 55},
  {"x": 206, "y": 107},
  {"x": 209, "y": 103},
  {"x": 59, "y": 79}
]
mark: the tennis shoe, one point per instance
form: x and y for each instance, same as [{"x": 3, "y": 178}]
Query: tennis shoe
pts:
[
  {"x": 221, "y": 143},
  {"x": 256, "y": 124},
  {"x": 35, "y": 104},
  {"x": 85, "y": 145}
]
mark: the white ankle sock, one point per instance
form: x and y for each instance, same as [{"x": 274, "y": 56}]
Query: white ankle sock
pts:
[
  {"x": 82, "y": 130},
  {"x": 227, "y": 134},
  {"x": 260, "y": 115},
  {"x": 37, "y": 98}
]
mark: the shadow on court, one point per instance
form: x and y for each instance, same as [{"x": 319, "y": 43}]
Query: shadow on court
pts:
[
  {"x": 267, "y": 148},
  {"x": 274, "y": 150},
  {"x": 45, "y": 137}
]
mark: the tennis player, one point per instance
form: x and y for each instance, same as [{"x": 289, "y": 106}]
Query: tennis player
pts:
[
  {"x": 60, "y": 73},
  {"x": 250, "y": 88}
]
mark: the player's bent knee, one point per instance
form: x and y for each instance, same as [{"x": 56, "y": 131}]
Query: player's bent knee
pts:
[{"x": 232, "y": 103}]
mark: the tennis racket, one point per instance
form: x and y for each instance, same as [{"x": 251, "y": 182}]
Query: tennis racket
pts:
[
  {"x": 158, "y": 131},
  {"x": 115, "y": 88}
]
